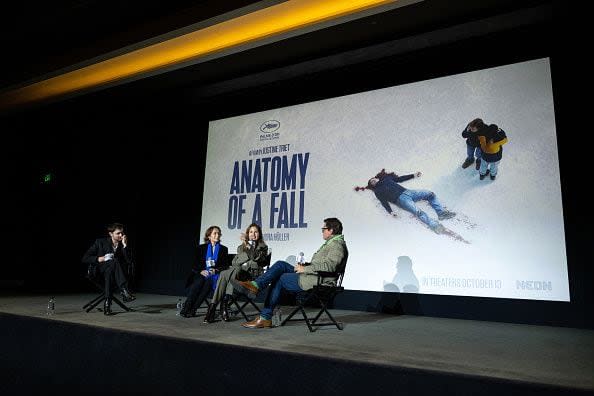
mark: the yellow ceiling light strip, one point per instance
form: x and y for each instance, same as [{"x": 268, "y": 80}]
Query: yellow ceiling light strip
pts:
[{"x": 277, "y": 19}]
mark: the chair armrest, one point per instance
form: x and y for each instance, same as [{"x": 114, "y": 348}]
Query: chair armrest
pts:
[
  {"x": 326, "y": 274},
  {"x": 92, "y": 271},
  {"x": 255, "y": 272}
]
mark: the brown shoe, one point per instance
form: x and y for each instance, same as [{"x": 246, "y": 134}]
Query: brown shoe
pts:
[
  {"x": 258, "y": 323},
  {"x": 245, "y": 287}
]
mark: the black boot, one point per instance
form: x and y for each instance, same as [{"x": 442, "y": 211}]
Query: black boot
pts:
[
  {"x": 107, "y": 307},
  {"x": 225, "y": 308},
  {"x": 210, "y": 314},
  {"x": 185, "y": 311},
  {"x": 126, "y": 295},
  {"x": 467, "y": 162}
]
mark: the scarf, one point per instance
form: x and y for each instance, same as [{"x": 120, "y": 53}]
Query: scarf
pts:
[{"x": 339, "y": 236}]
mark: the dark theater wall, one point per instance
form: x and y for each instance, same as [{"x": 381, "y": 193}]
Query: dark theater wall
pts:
[
  {"x": 124, "y": 155},
  {"x": 136, "y": 165}
]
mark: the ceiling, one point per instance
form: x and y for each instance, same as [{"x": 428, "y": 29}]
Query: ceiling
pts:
[{"x": 42, "y": 38}]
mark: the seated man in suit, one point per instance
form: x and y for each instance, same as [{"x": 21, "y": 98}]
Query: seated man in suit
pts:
[
  {"x": 110, "y": 254},
  {"x": 282, "y": 275}
]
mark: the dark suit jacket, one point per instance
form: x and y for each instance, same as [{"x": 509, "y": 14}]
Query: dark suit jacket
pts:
[
  {"x": 101, "y": 247},
  {"x": 199, "y": 262}
]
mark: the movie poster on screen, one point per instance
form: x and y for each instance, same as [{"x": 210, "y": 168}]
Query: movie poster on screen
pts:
[{"x": 289, "y": 168}]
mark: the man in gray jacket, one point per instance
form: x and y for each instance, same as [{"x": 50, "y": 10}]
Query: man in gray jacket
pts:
[{"x": 331, "y": 256}]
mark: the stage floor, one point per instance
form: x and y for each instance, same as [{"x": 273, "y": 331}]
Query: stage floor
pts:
[{"x": 537, "y": 354}]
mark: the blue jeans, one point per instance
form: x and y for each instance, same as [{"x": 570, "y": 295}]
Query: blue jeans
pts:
[
  {"x": 472, "y": 152},
  {"x": 493, "y": 167},
  {"x": 407, "y": 200},
  {"x": 281, "y": 275}
]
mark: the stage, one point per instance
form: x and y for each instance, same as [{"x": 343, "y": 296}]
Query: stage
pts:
[{"x": 152, "y": 350}]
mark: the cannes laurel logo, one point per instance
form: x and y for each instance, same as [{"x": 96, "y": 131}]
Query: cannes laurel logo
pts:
[
  {"x": 270, "y": 126},
  {"x": 269, "y": 130}
]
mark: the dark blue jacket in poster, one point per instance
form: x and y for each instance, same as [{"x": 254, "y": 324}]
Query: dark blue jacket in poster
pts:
[
  {"x": 388, "y": 190},
  {"x": 472, "y": 139}
]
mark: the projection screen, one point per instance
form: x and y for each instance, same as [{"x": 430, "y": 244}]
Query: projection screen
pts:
[{"x": 289, "y": 168}]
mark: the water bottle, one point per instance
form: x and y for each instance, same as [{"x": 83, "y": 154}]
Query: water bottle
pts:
[
  {"x": 276, "y": 317},
  {"x": 210, "y": 263},
  {"x": 179, "y": 306},
  {"x": 51, "y": 306},
  {"x": 301, "y": 258}
]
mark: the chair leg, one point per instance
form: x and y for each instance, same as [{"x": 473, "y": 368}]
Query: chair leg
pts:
[
  {"x": 240, "y": 309},
  {"x": 324, "y": 304},
  {"x": 288, "y": 318},
  {"x": 298, "y": 308},
  {"x": 97, "y": 300},
  {"x": 312, "y": 324},
  {"x": 322, "y": 310},
  {"x": 253, "y": 305},
  {"x": 93, "y": 303},
  {"x": 124, "y": 307},
  {"x": 333, "y": 321},
  {"x": 307, "y": 320}
]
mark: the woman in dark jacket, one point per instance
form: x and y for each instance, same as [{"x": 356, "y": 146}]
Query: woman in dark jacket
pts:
[
  {"x": 473, "y": 146},
  {"x": 211, "y": 258}
]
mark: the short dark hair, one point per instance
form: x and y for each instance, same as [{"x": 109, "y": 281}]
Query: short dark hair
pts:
[
  {"x": 476, "y": 123},
  {"x": 115, "y": 226},
  {"x": 209, "y": 231},
  {"x": 334, "y": 224}
]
